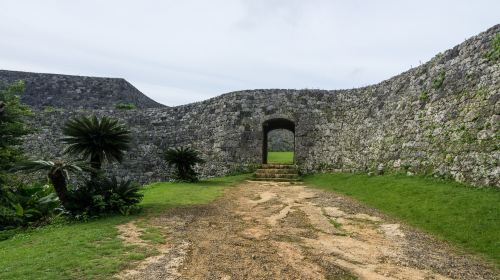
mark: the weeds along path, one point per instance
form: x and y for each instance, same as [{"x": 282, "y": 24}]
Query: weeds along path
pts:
[{"x": 268, "y": 230}]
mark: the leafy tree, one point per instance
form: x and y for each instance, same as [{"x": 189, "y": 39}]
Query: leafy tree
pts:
[
  {"x": 96, "y": 139},
  {"x": 57, "y": 173},
  {"x": 12, "y": 127},
  {"x": 184, "y": 159}
]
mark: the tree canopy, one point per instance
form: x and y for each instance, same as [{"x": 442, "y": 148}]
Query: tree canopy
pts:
[{"x": 12, "y": 126}]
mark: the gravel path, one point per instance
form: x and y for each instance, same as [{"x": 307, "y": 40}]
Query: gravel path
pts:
[{"x": 268, "y": 230}]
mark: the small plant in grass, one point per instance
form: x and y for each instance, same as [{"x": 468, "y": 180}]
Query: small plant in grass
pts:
[
  {"x": 96, "y": 139},
  {"x": 125, "y": 106},
  {"x": 184, "y": 159}
]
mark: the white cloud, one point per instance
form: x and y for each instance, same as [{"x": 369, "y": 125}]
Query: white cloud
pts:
[{"x": 183, "y": 51}]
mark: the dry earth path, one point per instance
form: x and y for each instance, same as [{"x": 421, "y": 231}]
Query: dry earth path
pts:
[{"x": 268, "y": 230}]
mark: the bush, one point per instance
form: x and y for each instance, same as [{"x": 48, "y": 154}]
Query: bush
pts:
[
  {"x": 184, "y": 159},
  {"x": 125, "y": 106},
  {"x": 102, "y": 195},
  {"x": 26, "y": 205}
]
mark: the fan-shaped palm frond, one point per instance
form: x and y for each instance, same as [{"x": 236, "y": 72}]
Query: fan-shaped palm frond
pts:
[
  {"x": 57, "y": 172},
  {"x": 96, "y": 139},
  {"x": 184, "y": 159}
]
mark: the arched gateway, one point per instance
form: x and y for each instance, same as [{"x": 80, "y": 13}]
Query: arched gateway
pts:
[{"x": 273, "y": 124}]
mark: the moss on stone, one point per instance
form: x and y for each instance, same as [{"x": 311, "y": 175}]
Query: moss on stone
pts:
[
  {"x": 125, "y": 106},
  {"x": 424, "y": 96},
  {"x": 437, "y": 83},
  {"x": 494, "y": 54}
]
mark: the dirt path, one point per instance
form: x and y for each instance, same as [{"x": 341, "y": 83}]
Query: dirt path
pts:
[{"x": 266, "y": 230}]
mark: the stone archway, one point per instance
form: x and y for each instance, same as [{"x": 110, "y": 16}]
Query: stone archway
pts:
[{"x": 273, "y": 124}]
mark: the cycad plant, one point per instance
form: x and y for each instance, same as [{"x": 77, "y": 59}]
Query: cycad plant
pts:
[
  {"x": 101, "y": 195},
  {"x": 184, "y": 159},
  {"x": 57, "y": 173},
  {"x": 96, "y": 139}
]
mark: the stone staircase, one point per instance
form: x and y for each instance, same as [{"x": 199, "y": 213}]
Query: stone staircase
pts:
[{"x": 277, "y": 173}]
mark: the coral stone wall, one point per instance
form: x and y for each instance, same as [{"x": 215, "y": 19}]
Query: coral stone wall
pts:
[
  {"x": 440, "y": 118},
  {"x": 76, "y": 92}
]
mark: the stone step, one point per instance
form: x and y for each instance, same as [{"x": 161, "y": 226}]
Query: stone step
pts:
[
  {"x": 277, "y": 171},
  {"x": 289, "y": 176},
  {"x": 278, "y": 166},
  {"x": 275, "y": 179}
]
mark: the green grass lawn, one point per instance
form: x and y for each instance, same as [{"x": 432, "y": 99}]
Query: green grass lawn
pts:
[
  {"x": 92, "y": 250},
  {"x": 280, "y": 157},
  {"x": 466, "y": 216}
]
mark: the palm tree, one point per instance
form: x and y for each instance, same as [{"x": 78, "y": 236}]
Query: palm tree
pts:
[
  {"x": 96, "y": 139},
  {"x": 58, "y": 175},
  {"x": 184, "y": 159}
]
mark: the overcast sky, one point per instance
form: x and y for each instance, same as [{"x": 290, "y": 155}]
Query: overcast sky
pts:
[{"x": 182, "y": 51}]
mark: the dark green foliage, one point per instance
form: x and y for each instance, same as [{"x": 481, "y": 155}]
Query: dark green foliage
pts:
[
  {"x": 184, "y": 159},
  {"x": 102, "y": 195},
  {"x": 96, "y": 139},
  {"x": 494, "y": 53},
  {"x": 25, "y": 205},
  {"x": 19, "y": 206},
  {"x": 438, "y": 81},
  {"x": 58, "y": 174},
  {"x": 12, "y": 127},
  {"x": 125, "y": 106},
  {"x": 96, "y": 196}
]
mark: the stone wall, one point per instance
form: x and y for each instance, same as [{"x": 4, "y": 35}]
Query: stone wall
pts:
[
  {"x": 76, "y": 92},
  {"x": 440, "y": 118}
]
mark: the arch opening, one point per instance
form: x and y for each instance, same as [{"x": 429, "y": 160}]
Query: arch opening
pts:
[{"x": 278, "y": 145}]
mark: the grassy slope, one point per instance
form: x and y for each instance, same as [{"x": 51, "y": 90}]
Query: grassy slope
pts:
[
  {"x": 92, "y": 250},
  {"x": 280, "y": 157},
  {"x": 468, "y": 217}
]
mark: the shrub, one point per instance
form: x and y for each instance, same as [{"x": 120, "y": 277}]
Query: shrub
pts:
[
  {"x": 26, "y": 205},
  {"x": 57, "y": 173},
  {"x": 184, "y": 159},
  {"x": 101, "y": 195},
  {"x": 125, "y": 106}
]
